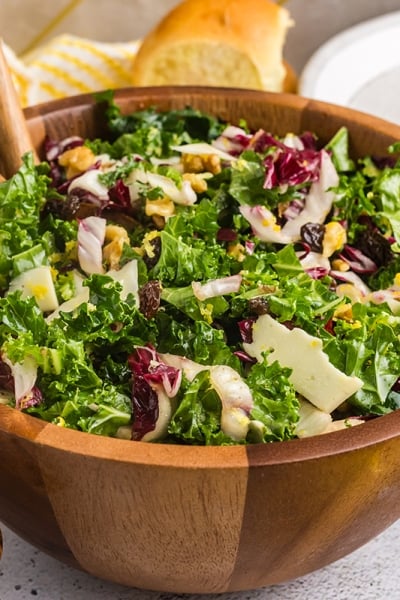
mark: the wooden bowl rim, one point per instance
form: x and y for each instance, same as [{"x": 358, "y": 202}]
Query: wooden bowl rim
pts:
[
  {"x": 283, "y": 99},
  {"x": 373, "y": 432}
]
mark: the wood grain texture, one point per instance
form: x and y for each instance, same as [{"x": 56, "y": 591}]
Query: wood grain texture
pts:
[
  {"x": 14, "y": 134},
  {"x": 158, "y": 523},
  {"x": 313, "y": 511},
  {"x": 186, "y": 519}
]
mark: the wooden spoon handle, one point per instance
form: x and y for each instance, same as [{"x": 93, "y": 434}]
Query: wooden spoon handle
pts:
[{"x": 14, "y": 135}]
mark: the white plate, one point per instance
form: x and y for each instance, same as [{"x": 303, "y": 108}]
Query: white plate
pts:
[{"x": 359, "y": 68}]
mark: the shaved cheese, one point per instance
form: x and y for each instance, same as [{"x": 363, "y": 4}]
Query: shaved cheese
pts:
[
  {"x": 313, "y": 376},
  {"x": 128, "y": 278},
  {"x": 37, "y": 282},
  {"x": 343, "y": 424},
  {"x": 70, "y": 305}
]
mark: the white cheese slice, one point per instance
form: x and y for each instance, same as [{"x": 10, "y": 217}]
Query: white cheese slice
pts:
[
  {"x": 313, "y": 376},
  {"x": 70, "y": 305},
  {"x": 128, "y": 278},
  {"x": 37, "y": 282}
]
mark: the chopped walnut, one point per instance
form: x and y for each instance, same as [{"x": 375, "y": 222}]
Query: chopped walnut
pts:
[
  {"x": 344, "y": 311},
  {"x": 116, "y": 236},
  {"x": 159, "y": 222},
  {"x": 338, "y": 264},
  {"x": 334, "y": 238},
  {"x": 77, "y": 160},
  {"x": 198, "y": 183},
  {"x": 237, "y": 251},
  {"x": 163, "y": 207},
  {"x": 199, "y": 163}
]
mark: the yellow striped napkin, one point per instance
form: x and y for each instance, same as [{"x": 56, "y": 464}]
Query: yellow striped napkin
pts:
[{"x": 70, "y": 65}]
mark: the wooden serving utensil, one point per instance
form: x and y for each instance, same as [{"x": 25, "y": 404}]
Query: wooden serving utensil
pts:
[{"x": 14, "y": 135}]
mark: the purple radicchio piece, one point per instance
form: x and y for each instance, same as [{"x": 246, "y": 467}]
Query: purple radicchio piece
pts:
[{"x": 154, "y": 383}]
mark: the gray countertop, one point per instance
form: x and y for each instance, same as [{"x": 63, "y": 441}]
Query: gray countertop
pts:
[{"x": 369, "y": 573}]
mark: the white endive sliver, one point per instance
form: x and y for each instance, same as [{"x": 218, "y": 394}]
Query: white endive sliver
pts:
[
  {"x": 236, "y": 399},
  {"x": 353, "y": 278},
  {"x": 314, "y": 259},
  {"x": 234, "y": 393},
  {"x": 263, "y": 224},
  {"x": 216, "y": 287},
  {"x": 91, "y": 235},
  {"x": 24, "y": 375},
  {"x": 189, "y": 367},
  {"x": 202, "y": 148},
  {"x": 186, "y": 196},
  {"x": 164, "y": 417},
  {"x": 90, "y": 182}
]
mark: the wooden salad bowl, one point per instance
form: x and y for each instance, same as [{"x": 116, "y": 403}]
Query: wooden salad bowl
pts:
[{"x": 201, "y": 519}]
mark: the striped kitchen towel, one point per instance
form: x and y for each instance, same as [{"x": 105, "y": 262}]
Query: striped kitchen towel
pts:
[{"x": 70, "y": 65}]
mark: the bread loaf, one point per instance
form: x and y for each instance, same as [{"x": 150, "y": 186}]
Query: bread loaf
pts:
[{"x": 228, "y": 43}]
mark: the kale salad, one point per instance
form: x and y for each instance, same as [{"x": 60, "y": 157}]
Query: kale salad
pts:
[{"x": 191, "y": 281}]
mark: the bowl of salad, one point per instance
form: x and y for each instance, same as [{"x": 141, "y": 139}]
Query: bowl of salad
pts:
[{"x": 200, "y": 319}]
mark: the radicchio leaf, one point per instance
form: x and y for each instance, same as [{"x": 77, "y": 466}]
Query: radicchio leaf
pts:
[
  {"x": 150, "y": 376},
  {"x": 291, "y": 167},
  {"x": 358, "y": 261}
]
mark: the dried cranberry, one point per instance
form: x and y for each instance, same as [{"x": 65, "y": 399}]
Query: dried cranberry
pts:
[
  {"x": 149, "y": 298},
  {"x": 258, "y": 306},
  {"x": 374, "y": 245},
  {"x": 313, "y": 235},
  {"x": 62, "y": 208},
  {"x": 151, "y": 261}
]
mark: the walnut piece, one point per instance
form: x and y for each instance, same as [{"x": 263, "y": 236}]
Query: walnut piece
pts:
[
  {"x": 200, "y": 163},
  {"x": 77, "y": 160}
]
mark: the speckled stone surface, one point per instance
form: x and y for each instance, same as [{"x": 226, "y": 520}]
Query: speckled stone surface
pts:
[{"x": 370, "y": 573}]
